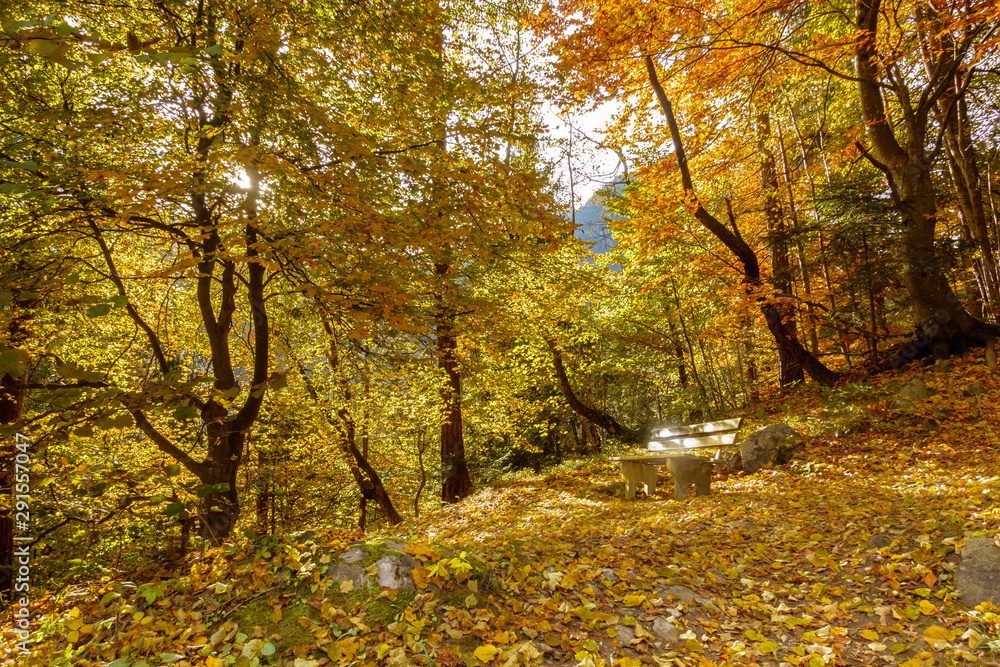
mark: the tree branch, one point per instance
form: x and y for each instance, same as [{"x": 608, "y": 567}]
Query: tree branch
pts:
[{"x": 154, "y": 340}]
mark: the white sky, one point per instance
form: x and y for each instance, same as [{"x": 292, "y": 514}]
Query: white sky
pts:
[{"x": 593, "y": 166}]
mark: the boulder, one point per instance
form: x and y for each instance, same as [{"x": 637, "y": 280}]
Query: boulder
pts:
[
  {"x": 353, "y": 573},
  {"x": 682, "y": 592},
  {"x": 625, "y": 634},
  {"x": 770, "y": 444},
  {"x": 974, "y": 388},
  {"x": 353, "y": 555},
  {"x": 977, "y": 577},
  {"x": 914, "y": 390},
  {"x": 665, "y": 630},
  {"x": 395, "y": 571}
]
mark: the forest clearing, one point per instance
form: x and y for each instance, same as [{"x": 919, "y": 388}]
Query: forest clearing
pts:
[
  {"x": 377, "y": 332},
  {"x": 845, "y": 555}
]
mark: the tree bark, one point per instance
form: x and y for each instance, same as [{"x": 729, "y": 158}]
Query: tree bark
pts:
[
  {"x": 592, "y": 415},
  {"x": 370, "y": 483},
  {"x": 455, "y": 481},
  {"x": 365, "y": 476},
  {"x": 789, "y": 369},
  {"x": 735, "y": 243},
  {"x": 943, "y": 321}
]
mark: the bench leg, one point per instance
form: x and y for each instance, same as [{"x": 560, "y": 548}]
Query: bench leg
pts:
[
  {"x": 691, "y": 470},
  {"x": 649, "y": 478},
  {"x": 629, "y": 469},
  {"x": 704, "y": 483}
]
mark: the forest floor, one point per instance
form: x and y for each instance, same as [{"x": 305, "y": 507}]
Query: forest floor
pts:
[{"x": 843, "y": 556}]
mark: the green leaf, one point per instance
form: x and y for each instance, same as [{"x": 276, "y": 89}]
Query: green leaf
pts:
[
  {"x": 222, "y": 487},
  {"x": 205, "y": 491},
  {"x": 98, "y": 58},
  {"x": 267, "y": 649},
  {"x": 121, "y": 420},
  {"x": 13, "y": 363},
  {"x": 214, "y": 50},
  {"x": 99, "y": 310},
  {"x": 173, "y": 509},
  {"x": 31, "y": 165},
  {"x": 173, "y": 470},
  {"x": 186, "y": 412}
]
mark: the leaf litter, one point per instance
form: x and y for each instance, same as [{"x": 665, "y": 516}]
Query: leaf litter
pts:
[{"x": 844, "y": 556}]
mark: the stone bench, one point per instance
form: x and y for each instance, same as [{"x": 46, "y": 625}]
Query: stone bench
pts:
[{"x": 672, "y": 446}]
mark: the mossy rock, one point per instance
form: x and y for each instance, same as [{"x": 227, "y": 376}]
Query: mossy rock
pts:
[{"x": 283, "y": 633}]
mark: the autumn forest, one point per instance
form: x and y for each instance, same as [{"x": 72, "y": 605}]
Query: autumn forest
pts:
[{"x": 279, "y": 273}]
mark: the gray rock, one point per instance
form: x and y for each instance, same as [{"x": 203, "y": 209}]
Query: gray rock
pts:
[
  {"x": 353, "y": 555},
  {"x": 354, "y": 573},
  {"x": 764, "y": 446},
  {"x": 625, "y": 634},
  {"x": 914, "y": 390},
  {"x": 395, "y": 546},
  {"x": 665, "y": 630},
  {"x": 303, "y": 536},
  {"x": 395, "y": 571},
  {"x": 683, "y": 592},
  {"x": 977, "y": 577},
  {"x": 974, "y": 388}
]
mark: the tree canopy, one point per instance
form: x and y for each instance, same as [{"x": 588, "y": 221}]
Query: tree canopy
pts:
[{"x": 269, "y": 265}]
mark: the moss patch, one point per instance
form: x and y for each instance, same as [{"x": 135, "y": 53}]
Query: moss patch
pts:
[
  {"x": 287, "y": 631},
  {"x": 384, "y": 610}
]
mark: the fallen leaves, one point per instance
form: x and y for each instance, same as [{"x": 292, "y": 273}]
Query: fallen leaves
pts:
[{"x": 844, "y": 557}]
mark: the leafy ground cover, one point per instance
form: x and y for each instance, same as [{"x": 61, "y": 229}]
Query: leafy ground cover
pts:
[{"x": 844, "y": 556}]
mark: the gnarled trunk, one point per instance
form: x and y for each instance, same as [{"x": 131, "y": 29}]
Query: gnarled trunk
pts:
[
  {"x": 738, "y": 246},
  {"x": 12, "y": 390},
  {"x": 592, "y": 415},
  {"x": 942, "y": 320}
]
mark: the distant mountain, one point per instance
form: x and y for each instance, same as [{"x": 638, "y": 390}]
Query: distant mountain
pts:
[{"x": 591, "y": 225}]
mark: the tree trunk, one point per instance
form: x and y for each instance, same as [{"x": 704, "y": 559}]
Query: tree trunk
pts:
[
  {"x": 824, "y": 260},
  {"x": 12, "y": 391},
  {"x": 793, "y": 217},
  {"x": 365, "y": 476},
  {"x": 455, "y": 481},
  {"x": 735, "y": 243},
  {"x": 789, "y": 369},
  {"x": 11, "y": 404},
  {"x": 370, "y": 482},
  {"x": 943, "y": 323},
  {"x": 592, "y": 415}
]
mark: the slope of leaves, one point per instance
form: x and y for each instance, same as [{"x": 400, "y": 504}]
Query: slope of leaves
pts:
[{"x": 843, "y": 556}]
